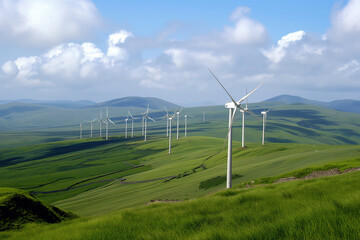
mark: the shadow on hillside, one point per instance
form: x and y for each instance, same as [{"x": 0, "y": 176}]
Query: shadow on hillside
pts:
[{"x": 55, "y": 151}]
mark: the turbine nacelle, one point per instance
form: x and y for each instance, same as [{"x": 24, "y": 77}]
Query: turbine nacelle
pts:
[{"x": 230, "y": 105}]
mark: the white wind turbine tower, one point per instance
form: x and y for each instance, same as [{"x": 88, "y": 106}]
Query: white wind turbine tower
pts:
[
  {"x": 146, "y": 116},
  {"x": 264, "y": 113},
  {"x": 232, "y": 106},
  {"x": 126, "y": 120},
  {"x": 132, "y": 124},
  {"x": 80, "y": 130},
  {"x": 107, "y": 120},
  {"x": 167, "y": 122},
  {"x": 177, "y": 124},
  {"x": 186, "y": 116},
  {"x": 243, "y": 123},
  {"x": 91, "y": 127},
  {"x": 203, "y": 117},
  {"x": 170, "y": 118},
  {"x": 101, "y": 120},
  {"x": 143, "y": 120}
]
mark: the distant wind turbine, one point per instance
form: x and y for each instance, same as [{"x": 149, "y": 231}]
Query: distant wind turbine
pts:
[
  {"x": 264, "y": 113},
  {"x": 146, "y": 116},
  {"x": 107, "y": 120},
  {"x": 80, "y": 130},
  {"x": 126, "y": 120},
  {"x": 186, "y": 116},
  {"x": 232, "y": 106},
  {"x": 170, "y": 118},
  {"x": 101, "y": 120},
  {"x": 167, "y": 121},
  {"x": 243, "y": 123},
  {"x": 177, "y": 124},
  {"x": 91, "y": 127},
  {"x": 132, "y": 124}
]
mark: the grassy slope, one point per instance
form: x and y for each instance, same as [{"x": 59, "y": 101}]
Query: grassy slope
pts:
[
  {"x": 18, "y": 208},
  {"x": 325, "y": 208},
  {"x": 250, "y": 163},
  {"x": 55, "y": 166},
  {"x": 286, "y": 123}
]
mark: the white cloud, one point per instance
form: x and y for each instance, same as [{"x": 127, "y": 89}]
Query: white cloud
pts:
[
  {"x": 185, "y": 58},
  {"x": 276, "y": 54},
  {"x": 246, "y": 30},
  {"x": 347, "y": 20},
  {"x": 351, "y": 67},
  {"x": 298, "y": 62},
  {"x": 10, "y": 68},
  {"x": 114, "y": 42},
  {"x": 44, "y": 22}
]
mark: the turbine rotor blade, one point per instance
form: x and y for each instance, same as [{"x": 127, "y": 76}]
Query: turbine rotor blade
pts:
[
  {"x": 247, "y": 95},
  {"x": 151, "y": 119},
  {"x": 232, "y": 99},
  {"x": 130, "y": 115},
  {"x": 111, "y": 121},
  {"x": 166, "y": 110},
  {"x": 252, "y": 113}
]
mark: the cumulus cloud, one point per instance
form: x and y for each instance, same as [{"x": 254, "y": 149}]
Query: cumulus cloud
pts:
[
  {"x": 69, "y": 63},
  {"x": 246, "y": 30},
  {"x": 277, "y": 53},
  {"x": 237, "y": 54},
  {"x": 44, "y": 22},
  {"x": 346, "y": 21}
]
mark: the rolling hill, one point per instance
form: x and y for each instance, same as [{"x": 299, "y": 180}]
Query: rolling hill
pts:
[
  {"x": 17, "y": 208},
  {"x": 346, "y": 105},
  {"x": 325, "y": 208},
  {"x": 102, "y": 179},
  {"x": 138, "y": 102},
  {"x": 286, "y": 123}
]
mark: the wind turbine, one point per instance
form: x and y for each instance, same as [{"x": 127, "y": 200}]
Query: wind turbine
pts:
[
  {"x": 132, "y": 124},
  {"x": 107, "y": 120},
  {"x": 170, "y": 118},
  {"x": 126, "y": 120},
  {"x": 167, "y": 121},
  {"x": 177, "y": 125},
  {"x": 264, "y": 113},
  {"x": 91, "y": 127},
  {"x": 101, "y": 120},
  {"x": 232, "y": 106},
  {"x": 203, "y": 117},
  {"x": 80, "y": 130},
  {"x": 186, "y": 116},
  {"x": 243, "y": 123},
  {"x": 146, "y": 116}
]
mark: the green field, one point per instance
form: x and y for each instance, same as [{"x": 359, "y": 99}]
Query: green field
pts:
[
  {"x": 94, "y": 178},
  {"x": 295, "y": 123},
  {"x": 325, "y": 208},
  {"x": 57, "y": 166}
]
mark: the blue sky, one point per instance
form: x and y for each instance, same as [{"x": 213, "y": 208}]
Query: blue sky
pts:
[{"x": 99, "y": 50}]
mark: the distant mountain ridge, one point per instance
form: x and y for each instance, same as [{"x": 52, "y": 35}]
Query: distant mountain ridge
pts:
[
  {"x": 140, "y": 102},
  {"x": 54, "y": 103},
  {"x": 345, "y": 105}
]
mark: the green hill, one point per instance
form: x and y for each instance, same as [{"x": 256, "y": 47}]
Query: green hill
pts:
[
  {"x": 139, "y": 102},
  {"x": 325, "y": 208},
  {"x": 286, "y": 124},
  {"x": 90, "y": 177},
  {"x": 18, "y": 208}
]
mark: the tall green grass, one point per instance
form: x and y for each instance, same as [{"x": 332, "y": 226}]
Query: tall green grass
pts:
[{"x": 325, "y": 208}]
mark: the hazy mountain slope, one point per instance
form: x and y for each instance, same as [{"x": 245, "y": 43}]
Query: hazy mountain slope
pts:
[
  {"x": 346, "y": 105},
  {"x": 139, "y": 102}
]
